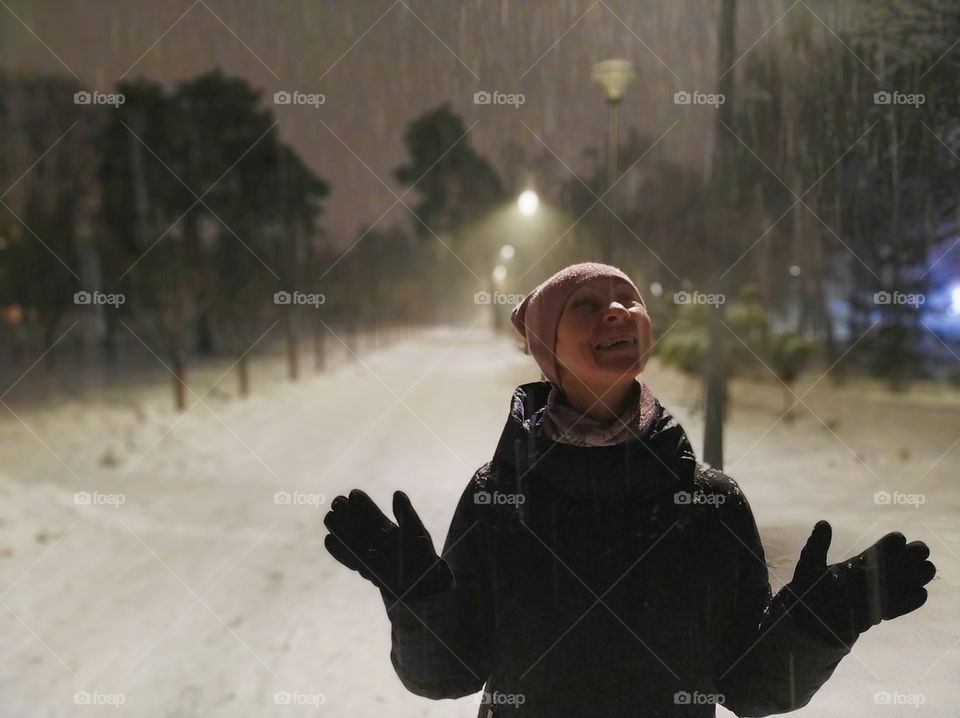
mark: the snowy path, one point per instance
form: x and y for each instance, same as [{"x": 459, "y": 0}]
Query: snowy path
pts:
[{"x": 202, "y": 596}]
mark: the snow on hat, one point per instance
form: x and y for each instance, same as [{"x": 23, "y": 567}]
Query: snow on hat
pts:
[{"x": 536, "y": 318}]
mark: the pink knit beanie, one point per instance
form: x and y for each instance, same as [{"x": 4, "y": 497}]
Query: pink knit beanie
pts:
[{"x": 536, "y": 318}]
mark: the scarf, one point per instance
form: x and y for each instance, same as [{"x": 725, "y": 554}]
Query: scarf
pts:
[{"x": 562, "y": 423}]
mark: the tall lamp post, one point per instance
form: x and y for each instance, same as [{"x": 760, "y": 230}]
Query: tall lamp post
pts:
[
  {"x": 613, "y": 76},
  {"x": 499, "y": 276},
  {"x": 723, "y": 186},
  {"x": 527, "y": 204}
]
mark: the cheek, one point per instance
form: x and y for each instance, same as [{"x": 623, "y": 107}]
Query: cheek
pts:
[
  {"x": 573, "y": 339},
  {"x": 646, "y": 334},
  {"x": 646, "y": 330}
]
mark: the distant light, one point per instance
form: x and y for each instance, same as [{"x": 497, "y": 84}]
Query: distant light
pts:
[
  {"x": 13, "y": 313},
  {"x": 507, "y": 251},
  {"x": 656, "y": 289},
  {"x": 499, "y": 273},
  {"x": 955, "y": 300},
  {"x": 528, "y": 202},
  {"x": 795, "y": 270}
]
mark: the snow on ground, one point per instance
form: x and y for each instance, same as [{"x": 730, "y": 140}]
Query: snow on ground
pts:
[{"x": 202, "y": 594}]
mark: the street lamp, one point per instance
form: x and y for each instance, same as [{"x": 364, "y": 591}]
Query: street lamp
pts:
[
  {"x": 528, "y": 201},
  {"x": 613, "y": 76},
  {"x": 498, "y": 275},
  {"x": 797, "y": 291}
]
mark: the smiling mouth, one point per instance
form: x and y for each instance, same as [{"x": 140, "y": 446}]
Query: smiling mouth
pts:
[{"x": 617, "y": 343}]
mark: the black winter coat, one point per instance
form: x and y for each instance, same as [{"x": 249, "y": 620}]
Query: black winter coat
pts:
[{"x": 624, "y": 580}]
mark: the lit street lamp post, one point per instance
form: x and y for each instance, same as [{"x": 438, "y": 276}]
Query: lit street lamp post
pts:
[
  {"x": 499, "y": 276},
  {"x": 527, "y": 205},
  {"x": 614, "y": 76}
]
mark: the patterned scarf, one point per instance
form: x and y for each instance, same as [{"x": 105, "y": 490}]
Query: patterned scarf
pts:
[{"x": 562, "y": 423}]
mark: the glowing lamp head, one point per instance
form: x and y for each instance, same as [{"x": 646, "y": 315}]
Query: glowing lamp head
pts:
[{"x": 528, "y": 202}]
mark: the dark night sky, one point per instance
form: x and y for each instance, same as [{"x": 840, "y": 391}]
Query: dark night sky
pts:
[{"x": 380, "y": 63}]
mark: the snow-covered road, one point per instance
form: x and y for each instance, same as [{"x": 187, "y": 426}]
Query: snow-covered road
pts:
[{"x": 187, "y": 587}]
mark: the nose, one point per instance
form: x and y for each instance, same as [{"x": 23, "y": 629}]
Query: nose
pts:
[{"x": 615, "y": 311}]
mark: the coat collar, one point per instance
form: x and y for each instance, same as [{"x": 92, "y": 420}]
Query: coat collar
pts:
[{"x": 661, "y": 460}]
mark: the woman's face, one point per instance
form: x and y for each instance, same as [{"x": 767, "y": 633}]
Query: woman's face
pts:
[{"x": 601, "y": 311}]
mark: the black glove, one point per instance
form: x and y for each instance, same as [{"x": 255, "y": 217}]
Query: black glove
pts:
[
  {"x": 841, "y": 601},
  {"x": 398, "y": 559}
]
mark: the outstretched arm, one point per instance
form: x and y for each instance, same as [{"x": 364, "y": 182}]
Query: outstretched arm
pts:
[
  {"x": 440, "y": 609},
  {"x": 444, "y": 645},
  {"x": 782, "y": 649},
  {"x": 770, "y": 663}
]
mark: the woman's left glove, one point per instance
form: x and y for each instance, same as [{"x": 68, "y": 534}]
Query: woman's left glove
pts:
[
  {"x": 398, "y": 558},
  {"x": 843, "y": 600}
]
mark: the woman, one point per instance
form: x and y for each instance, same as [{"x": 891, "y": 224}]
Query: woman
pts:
[{"x": 593, "y": 567}]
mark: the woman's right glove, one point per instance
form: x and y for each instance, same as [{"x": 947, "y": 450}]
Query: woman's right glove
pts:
[
  {"x": 841, "y": 601},
  {"x": 398, "y": 558}
]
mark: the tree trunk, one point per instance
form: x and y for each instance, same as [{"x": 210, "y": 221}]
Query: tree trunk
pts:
[
  {"x": 293, "y": 347},
  {"x": 787, "y": 403},
  {"x": 179, "y": 381},
  {"x": 110, "y": 354},
  {"x": 205, "y": 343},
  {"x": 352, "y": 334},
  {"x": 319, "y": 350},
  {"x": 243, "y": 377},
  {"x": 49, "y": 327}
]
